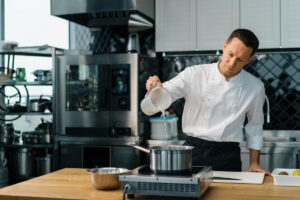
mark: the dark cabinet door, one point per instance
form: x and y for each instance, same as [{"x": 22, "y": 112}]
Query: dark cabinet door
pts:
[
  {"x": 71, "y": 156},
  {"x": 83, "y": 156},
  {"x": 125, "y": 157}
]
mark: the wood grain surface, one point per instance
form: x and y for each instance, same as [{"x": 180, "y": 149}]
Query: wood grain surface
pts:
[{"x": 71, "y": 183}]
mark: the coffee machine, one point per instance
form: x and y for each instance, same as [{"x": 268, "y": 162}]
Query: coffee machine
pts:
[{"x": 99, "y": 95}]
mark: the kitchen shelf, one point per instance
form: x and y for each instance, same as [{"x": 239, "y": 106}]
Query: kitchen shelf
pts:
[
  {"x": 43, "y": 51},
  {"x": 16, "y": 111},
  {"x": 35, "y": 83},
  {"x": 26, "y": 145},
  {"x": 26, "y": 113}
]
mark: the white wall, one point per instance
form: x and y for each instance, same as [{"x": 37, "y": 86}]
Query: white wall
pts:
[{"x": 29, "y": 23}]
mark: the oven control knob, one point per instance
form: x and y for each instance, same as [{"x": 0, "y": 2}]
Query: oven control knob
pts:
[{"x": 124, "y": 103}]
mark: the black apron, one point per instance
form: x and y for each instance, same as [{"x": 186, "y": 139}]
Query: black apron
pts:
[{"x": 221, "y": 156}]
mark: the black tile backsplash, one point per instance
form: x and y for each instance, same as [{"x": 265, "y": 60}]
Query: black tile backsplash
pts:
[
  {"x": 281, "y": 74},
  {"x": 108, "y": 40},
  {"x": 279, "y": 71}
]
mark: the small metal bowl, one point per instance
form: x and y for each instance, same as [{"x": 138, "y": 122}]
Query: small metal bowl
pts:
[{"x": 106, "y": 178}]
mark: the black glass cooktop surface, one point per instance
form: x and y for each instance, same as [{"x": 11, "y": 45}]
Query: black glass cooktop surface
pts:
[{"x": 145, "y": 170}]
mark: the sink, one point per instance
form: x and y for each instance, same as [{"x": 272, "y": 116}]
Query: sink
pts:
[
  {"x": 280, "y": 139},
  {"x": 281, "y": 136}
]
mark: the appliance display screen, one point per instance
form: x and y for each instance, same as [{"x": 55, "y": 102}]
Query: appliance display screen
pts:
[{"x": 120, "y": 81}]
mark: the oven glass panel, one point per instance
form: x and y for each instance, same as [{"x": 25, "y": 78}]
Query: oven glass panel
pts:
[
  {"x": 82, "y": 92},
  {"x": 120, "y": 82}
]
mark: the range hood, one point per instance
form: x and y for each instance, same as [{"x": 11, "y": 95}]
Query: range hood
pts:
[{"x": 137, "y": 15}]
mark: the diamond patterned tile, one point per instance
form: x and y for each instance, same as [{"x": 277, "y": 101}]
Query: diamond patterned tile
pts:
[{"x": 279, "y": 71}]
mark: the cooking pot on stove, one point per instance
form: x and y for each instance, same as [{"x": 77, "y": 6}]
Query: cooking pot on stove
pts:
[{"x": 169, "y": 159}]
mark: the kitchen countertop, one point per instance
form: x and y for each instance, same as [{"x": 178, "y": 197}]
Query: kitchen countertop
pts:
[{"x": 74, "y": 183}]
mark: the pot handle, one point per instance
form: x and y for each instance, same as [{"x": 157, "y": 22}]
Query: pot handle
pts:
[{"x": 141, "y": 149}]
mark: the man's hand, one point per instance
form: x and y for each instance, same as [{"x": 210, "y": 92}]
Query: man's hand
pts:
[
  {"x": 152, "y": 82},
  {"x": 256, "y": 168},
  {"x": 254, "y": 162}
]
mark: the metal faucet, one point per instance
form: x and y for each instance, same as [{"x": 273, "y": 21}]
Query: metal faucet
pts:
[{"x": 268, "y": 109}]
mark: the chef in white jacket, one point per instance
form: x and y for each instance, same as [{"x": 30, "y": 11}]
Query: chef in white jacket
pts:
[{"x": 218, "y": 99}]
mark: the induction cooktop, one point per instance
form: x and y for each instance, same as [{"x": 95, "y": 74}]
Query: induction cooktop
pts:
[{"x": 142, "y": 180}]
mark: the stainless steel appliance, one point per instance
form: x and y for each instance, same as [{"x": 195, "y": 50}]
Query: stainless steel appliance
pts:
[
  {"x": 144, "y": 182},
  {"x": 98, "y": 95},
  {"x": 137, "y": 15}
]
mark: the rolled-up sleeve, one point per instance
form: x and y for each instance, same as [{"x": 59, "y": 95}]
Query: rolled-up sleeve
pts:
[{"x": 255, "y": 116}]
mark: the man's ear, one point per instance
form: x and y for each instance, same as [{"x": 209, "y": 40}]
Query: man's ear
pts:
[
  {"x": 224, "y": 45},
  {"x": 250, "y": 59}
]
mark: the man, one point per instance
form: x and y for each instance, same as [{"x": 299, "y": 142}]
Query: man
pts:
[{"x": 218, "y": 98}]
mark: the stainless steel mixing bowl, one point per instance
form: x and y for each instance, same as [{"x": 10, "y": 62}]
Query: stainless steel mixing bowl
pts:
[{"x": 106, "y": 178}]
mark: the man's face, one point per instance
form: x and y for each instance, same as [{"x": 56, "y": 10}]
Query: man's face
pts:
[{"x": 235, "y": 56}]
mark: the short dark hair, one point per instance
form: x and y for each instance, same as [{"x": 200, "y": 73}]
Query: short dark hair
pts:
[{"x": 247, "y": 37}]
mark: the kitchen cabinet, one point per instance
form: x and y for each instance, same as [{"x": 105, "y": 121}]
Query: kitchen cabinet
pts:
[
  {"x": 98, "y": 155},
  {"x": 175, "y": 25},
  {"x": 204, "y": 25},
  {"x": 275, "y": 22},
  {"x": 194, "y": 24},
  {"x": 216, "y": 19},
  {"x": 290, "y": 23},
  {"x": 71, "y": 156},
  {"x": 263, "y": 18}
]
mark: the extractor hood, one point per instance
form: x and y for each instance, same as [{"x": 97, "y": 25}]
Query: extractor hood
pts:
[{"x": 137, "y": 15}]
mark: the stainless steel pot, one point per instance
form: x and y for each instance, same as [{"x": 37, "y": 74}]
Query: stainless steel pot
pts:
[
  {"x": 38, "y": 105},
  {"x": 20, "y": 162},
  {"x": 3, "y": 159},
  {"x": 43, "y": 165},
  {"x": 6, "y": 133},
  {"x": 44, "y": 131},
  {"x": 3, "y": 176},
  {"x": 169, "y": 159}
]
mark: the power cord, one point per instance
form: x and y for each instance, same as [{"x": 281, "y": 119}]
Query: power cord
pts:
[
  {"x": 127, "y": 187},
  {"x": 17, "y": 94}
]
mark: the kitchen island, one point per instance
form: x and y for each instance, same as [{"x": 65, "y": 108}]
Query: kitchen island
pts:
[{"x": 74, "y": 183}]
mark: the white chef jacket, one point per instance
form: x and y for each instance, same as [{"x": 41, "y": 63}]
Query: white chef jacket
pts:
[{"x": 215, "y": 109}]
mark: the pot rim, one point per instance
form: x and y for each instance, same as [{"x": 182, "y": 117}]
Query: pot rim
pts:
[
  {"x": 107, "y": 170},
  {"x": 172, "y": 148}
]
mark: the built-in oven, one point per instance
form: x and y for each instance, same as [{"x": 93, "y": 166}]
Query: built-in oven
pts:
[{"x": 97, "y": 95}]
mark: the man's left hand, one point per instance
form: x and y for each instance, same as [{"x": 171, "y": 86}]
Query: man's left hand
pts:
[{"x": 256, "y": 168}]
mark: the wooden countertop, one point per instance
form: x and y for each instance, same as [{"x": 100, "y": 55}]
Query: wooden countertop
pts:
[{"x": 71, "y": 183}]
